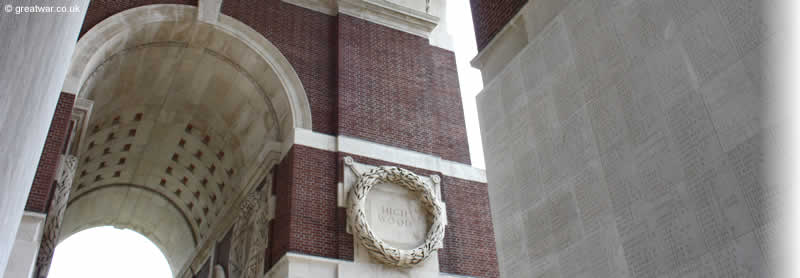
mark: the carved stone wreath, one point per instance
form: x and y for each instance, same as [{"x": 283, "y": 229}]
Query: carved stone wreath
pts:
[{"x": 377, "y": 248}]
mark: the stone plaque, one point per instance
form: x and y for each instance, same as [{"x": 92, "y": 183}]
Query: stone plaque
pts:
[
  {"x": 397, "y": 216},
  {"x": 394, "y": 214}
]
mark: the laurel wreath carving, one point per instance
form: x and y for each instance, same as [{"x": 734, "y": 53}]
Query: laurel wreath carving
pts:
[{"x": 377, "y": 248}]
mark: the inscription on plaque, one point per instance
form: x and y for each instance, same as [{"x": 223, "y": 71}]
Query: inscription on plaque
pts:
[{"x": 396, "y": 216}]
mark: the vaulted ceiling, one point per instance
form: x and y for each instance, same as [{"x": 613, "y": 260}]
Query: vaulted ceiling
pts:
[{"x": 183, "y": 122}]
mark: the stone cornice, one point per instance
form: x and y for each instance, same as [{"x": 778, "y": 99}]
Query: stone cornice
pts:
[
  {"x": 323, "y": 6},
  {"x": 381, "y": 12},
  {"x": 505, "y": 45}
]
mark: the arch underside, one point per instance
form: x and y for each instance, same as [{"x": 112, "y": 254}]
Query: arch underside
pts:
[
  {"x": 188, "y": 117},
  {"x": 138, "y": 209}
]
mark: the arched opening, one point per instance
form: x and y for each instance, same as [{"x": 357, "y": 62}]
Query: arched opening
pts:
[
  {"x": 188, "y": 118},
  {"x": 108, "y": 252}
]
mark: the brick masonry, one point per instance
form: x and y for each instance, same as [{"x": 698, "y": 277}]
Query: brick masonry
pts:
[
  {"x": 490, "y": 16},
  {"x": 306, "y": 214},
  {"x": 43, "y": 181},
  {"x": 469, "y": 236},
  {"x": 396, "y": 89},
  {"x": 308, "y": 40}
]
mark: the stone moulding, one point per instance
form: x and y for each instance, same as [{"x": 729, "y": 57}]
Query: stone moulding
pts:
[
  {"x": 418, "y": 21},
  {"x": 376, "y": 247},
  {"x": 64, "y": 177}
]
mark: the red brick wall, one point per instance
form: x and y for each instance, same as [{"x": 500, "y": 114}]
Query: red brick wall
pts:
[
  {"x": 469, "y": 236},
  {"x": 43, "y": 181},
  {"x": 490, "y": 16},
  {"x": 306, "y": 210},
  {"x": 308, "y": 40},
  {"x": 396, "y": 89},
  {"x": 101, "y": 9},
  {"x": 313, "y": 223},
  {"x": 279, "y": 234}
]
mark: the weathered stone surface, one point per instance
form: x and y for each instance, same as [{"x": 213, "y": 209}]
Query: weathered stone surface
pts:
[{"x": 641, "y": 150}]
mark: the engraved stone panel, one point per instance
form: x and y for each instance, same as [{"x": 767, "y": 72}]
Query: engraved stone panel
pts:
[
  {"x": 575, "y": 143},
  {"x": 543, "y": 268},
  {"x": 511, "y": 238},
  {"x": 747, "y": 160},
  {"x": 708, "y": 44},
  {"x": 537, "y": 228},
  {"x": 657, "y": 168},
  {"x": 640, "y": 106},
  {"x": 665, "y": 74},
  {"x": 640, "y": 251},
  {"x": 642, "y": 153},
  {"x": 503, "y": 196},
  {"x": 618, "y": 170},
  {"x": 608, "y": 123},
  {"x": 598, "y": 52},
  {"x": 746, "y": 22},
  {"x": 682, "y": 11},
  {"x": 397, "y": 216},
  {"x": 567, "y": 94},
  {"x": 734, "y": 107},
  {"x": 511, "y": 88},
  {"x": 598, "y": 255},
  {"x": 564, "y": 219},
  {"x": 765, "y": 237},
  {"x": 553, "y": 224},
  {"x": 676, "y": 232},
  {"x": 591, "y": 196},
  {"x": 643, "y": 26},
  {"x": 527, "y": 175},
  {"x": 543, "y": 134},
  {"x": 691, "y": 131},
  {"x": 740, "y": 258},
  {"x": 546, "y": 54}
]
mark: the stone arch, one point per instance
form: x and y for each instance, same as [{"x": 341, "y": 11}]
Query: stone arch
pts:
[
  {"x": 165, "y": 229},
  {"x": 188, "y": 115},
  {"x": 116, "y": 33}
]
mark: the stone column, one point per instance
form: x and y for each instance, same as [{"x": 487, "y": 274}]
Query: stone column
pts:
[{"x": 36, "y": 44}]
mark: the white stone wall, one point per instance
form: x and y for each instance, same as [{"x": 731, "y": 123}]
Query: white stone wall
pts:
[
  {"x": 623, "y": 139},
  {"x": 35, "y": 49},
  {"x": 22, "y": 261}
]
